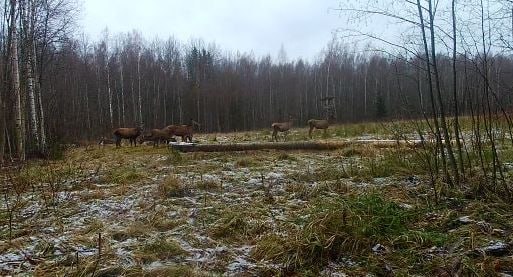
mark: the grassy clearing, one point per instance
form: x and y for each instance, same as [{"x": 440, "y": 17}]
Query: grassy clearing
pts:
[{"x": 355, "y": 211}]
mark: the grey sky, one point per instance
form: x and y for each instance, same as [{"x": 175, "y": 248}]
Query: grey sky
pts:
[{"x": 304, "y": 27}]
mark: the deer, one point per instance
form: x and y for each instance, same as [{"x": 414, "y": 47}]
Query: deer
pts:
[
  {"x": 127, "y": 133},
  {"x": 281, "y": 127},
  {"x": 157, "y": 136},
  {"x": 319, "y": 124},
  {"x": 183, "y": 131}
]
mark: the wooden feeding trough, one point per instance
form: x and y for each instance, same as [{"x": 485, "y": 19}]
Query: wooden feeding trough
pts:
[{"x": 297, "y": 145}]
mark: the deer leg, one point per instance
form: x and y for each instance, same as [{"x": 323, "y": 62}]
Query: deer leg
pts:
[
  {"x": 310, "y": 132},
  {"x": 274, "y": 137},
  {"x": 118, "y": 141}
]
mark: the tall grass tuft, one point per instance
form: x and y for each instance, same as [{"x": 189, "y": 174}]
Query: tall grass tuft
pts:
[{"x": 336, "y": 228}]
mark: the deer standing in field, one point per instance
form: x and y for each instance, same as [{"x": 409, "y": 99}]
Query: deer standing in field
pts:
[
  {"x": 183, "y": 131},
  {"x": 319, "y": 124},
  {"x": 127, "y": 133},
  {"x": 157, "y": 136},
  {"x": 281, "y": 127}
]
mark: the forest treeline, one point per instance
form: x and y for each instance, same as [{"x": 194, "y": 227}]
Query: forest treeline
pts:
[
  {"x": 94, "y": 87},
  {"x": 59, "y": 85}
]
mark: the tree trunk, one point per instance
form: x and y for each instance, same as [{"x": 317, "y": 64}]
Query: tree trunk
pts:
[
  {"x": 438, "y": 88},
  {"x": 32, "y": 100},
  {"x": 86, "y": 94},
  {"x": 455, "y": 90},
  {"x": 438, "y": 136},
  {"x": 139, "y": 88},
  {"x": 109, "y": 92},
  {"x": 100, "y": 110},
  {"x": 122, "y": 90},
  {"x": 15, "y": 77},
  {"x": 2, "y": 127},
  {"x": 28, "y": 28}
]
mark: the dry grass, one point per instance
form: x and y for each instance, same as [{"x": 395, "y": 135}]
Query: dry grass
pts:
[
  {"x": 160, "y": 249},
  {"x": 313, "y": 211},
  {"x": 172, "y": 186}
]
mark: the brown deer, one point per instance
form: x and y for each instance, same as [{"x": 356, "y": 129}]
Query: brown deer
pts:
[
  {"x": 281, "y": 127},
  {"x": 157, "y": 136},
  {"x": 127, "y": 133},
  {"x": 183, "y": 131},
  {"x": 319, "y": 124}
]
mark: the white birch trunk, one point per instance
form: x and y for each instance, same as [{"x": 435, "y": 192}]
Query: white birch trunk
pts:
[
  {"x": 32, "y": 100},
  {"x": 15, "y": 75},
  {"x": 39, "y": 101},
  {"x": 28, "y": 27}
]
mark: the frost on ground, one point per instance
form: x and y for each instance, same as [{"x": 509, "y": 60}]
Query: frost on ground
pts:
[
  {"x": 210, "y": 213},
  {"x": 151, "y": 210}
]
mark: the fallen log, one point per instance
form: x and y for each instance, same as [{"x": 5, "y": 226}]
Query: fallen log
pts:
[{"x": 298, "y": 145}]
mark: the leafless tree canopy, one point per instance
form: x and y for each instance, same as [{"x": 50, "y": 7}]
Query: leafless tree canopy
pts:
[{"x": 72, "y": 88}]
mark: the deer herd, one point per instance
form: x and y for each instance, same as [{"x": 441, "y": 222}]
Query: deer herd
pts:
[{"x": 185, "y": 131}]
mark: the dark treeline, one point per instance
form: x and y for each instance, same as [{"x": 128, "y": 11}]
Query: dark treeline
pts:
[{"x": 123, "y": 81}]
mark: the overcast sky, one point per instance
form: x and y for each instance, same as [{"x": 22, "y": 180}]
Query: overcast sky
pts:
[{"x": 304, "y": 27}]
